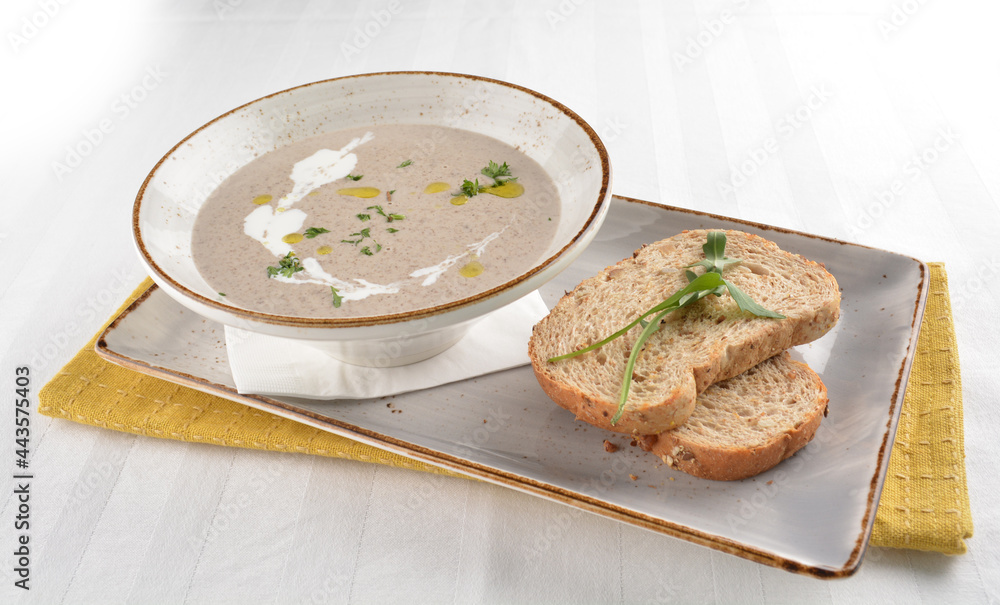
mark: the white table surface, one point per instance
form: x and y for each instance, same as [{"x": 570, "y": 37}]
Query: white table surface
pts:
[{"x": 891, "y": 93}]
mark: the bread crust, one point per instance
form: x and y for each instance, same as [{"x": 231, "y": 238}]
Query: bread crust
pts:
[
  {"x": 588, "y": 385},
  {"x": 729, "y": 461}
]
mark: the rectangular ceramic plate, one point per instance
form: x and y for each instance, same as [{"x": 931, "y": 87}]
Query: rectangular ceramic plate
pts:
[{"x": 811, "y": 514}]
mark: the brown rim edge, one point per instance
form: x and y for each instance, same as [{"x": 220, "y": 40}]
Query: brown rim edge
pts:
[
  {"x": 603, "y": 200},
  {"x": 555, "y": 493}
]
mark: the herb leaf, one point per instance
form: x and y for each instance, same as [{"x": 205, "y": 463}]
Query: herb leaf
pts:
[
  {"x": 715, "y": 253},
  {"x": 497, "y": 172},
  {"x": 748, "y": 304},
  {"x": 471, "y": 189},
  {"x": 287, "y": 266},
  {"x": 354, "y": 177},
  {"x": 377, "y": 209},
  {"x": 312, "y": 232},
  {"x": 405, "y": 164},
  {"x": 364, "y": 217},
  {"x": 337, "y": 299},
  {"x": 699, "y": 286}
]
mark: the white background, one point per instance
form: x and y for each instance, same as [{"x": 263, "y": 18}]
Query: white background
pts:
[{"x": 798, "y": 114}]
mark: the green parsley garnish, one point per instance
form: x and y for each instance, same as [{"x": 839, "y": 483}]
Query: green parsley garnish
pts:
[
  {"x": 471, "y": 189},
  {"x": 287, "y": 266},
  {"x": 312, "y": 232},
  {"x": 366, "y": 232},
  {"x": 336, "y": 297},
  {"x": 405, "y": 164},
  {"x": 222, "y": 293},
  {"x": 392, "y": 191},
  {"x": 391, "y": 229},
  {"x": 497, "y": 172},
  {"x": 354, "y": 178},
  {"x": 710, "y": 282}
]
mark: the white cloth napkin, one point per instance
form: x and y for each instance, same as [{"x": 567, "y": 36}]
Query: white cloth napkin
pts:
[{"x": 268, "y": 365}]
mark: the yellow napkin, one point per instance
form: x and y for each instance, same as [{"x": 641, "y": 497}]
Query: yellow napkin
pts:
[
  {"x": 925, "y": 501},
  {"x": 925, "y": 504}
]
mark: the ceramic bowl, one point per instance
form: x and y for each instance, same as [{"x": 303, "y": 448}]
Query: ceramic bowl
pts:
[{"x": 564, "y": 145}]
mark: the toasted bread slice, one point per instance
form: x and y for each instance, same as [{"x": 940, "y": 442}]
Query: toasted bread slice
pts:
[
  {"x": 745, "y": 425},
  {"x": 704, "y": 343}
]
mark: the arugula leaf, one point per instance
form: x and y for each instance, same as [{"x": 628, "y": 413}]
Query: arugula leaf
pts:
[
  {"x": 705, "y": 282},
  {"x": 337, "y": 299},
  {"x": 748, "y": 304},
  {"x": 312, "y": 232},
  {"x": 710, "y": 283},
  {"x": 715, "y": 254},
  {"x": 287, "y": 266}
]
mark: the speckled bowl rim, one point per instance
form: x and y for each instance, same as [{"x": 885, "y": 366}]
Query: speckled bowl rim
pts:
[{"x": 602, "y": 202}]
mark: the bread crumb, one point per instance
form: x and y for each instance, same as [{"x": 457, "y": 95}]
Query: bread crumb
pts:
[
  {"x": 633, "y": 477},
  {"x": 610, "y": 447}
]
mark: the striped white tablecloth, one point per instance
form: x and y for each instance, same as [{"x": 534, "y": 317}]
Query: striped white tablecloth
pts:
[{"x": 872, "y": 122}]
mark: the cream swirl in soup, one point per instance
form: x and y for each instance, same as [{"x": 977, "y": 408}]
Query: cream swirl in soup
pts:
[{"x": 375, "y": 221}]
